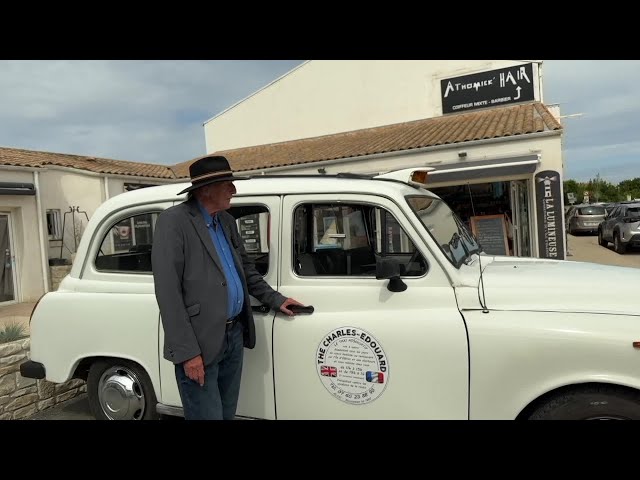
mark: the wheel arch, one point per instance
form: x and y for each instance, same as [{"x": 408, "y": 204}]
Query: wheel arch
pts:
[
  {"x": 81, "y": 370},
  {"x": 526, "y": 412}
]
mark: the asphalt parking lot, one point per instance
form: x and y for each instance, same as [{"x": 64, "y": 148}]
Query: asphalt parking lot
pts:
[
  {"x": 585, "y": 248},
  {"x": 581, "y": 248}
]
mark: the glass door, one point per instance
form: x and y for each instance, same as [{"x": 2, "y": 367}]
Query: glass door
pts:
[
  {"x": 520, "y": 218},
  {"x": 7, "y": 261}
]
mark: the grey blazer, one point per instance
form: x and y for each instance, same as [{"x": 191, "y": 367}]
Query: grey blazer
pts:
[{"x": 191, "y": 288}]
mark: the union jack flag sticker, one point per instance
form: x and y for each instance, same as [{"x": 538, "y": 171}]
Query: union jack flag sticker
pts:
[
  {"x": 375, "y": 377},
  {"x": 328, "y": 371}
]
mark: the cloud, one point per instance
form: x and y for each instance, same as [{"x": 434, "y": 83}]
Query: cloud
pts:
[
  {"x": 147, "y": 111},
  {"x": 604, "y": 139}
]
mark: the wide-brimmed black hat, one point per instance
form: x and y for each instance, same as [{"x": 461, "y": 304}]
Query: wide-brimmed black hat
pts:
[{"x": 210, "y": 169}]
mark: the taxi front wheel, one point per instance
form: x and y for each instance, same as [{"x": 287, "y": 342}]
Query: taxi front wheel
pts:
[
  {"x": 598, "y": 402},
  {"x": 120, "y": 390}
]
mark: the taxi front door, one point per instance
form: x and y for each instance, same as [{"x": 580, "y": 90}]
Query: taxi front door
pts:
[{"x": 366, "y": 352}]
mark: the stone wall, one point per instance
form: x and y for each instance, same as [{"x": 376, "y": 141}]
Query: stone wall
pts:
[
  {"x": 22, "y": 397},
  {"x": 57, "y": 273}
]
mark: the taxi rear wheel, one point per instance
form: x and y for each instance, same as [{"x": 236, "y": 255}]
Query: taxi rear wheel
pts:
[
  {"x": 591, "y": 403},
  {"x": 120, "y": 390}
]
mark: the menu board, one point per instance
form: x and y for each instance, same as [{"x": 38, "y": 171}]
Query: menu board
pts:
[{"x": 491, "y": 232}]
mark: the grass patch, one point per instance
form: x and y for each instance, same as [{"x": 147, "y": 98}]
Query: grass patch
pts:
[{"x": 11, "y": 332}]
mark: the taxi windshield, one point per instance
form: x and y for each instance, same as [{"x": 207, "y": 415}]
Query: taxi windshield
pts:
[{"x": 445, "y": 227}]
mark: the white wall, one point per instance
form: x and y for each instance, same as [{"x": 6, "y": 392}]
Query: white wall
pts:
[
  {"x": 26, "y": 246},
  {"x": 329, "y": 96},
  {"x": 64, "y": 189}
]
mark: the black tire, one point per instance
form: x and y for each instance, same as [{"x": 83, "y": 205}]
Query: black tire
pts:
[
  {"x": 120, "y": 390},
  {"x": 591, "y": 403},
  {"x": 601, "y": 240},
  {"x": 618, "y": 246}
]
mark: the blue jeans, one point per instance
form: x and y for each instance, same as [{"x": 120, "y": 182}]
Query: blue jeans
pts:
[{"x": 217, "y": 399}]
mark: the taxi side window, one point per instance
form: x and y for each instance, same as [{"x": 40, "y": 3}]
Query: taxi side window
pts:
[
  {"x": 126, "y": 248},
  {"x": 347, "y": 239}
]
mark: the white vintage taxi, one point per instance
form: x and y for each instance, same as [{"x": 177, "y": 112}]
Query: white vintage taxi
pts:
[{"x": 410, "y": 321}]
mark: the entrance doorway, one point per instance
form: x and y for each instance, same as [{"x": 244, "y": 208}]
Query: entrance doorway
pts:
[
  {"x": 489, "y": 199},
  {"x": 7, "y": 261},
  {"x": 521, "y": 221}
]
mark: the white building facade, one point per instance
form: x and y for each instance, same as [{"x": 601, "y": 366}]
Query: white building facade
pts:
[
  {"x": 46, "y": 200},
  {"x": 483, "y": 125}
]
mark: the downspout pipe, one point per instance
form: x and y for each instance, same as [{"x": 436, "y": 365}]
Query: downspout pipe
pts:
[{"x": 43, "y": 246}]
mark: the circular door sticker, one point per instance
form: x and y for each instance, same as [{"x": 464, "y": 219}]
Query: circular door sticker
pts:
[{"x": 352, "y": 365}]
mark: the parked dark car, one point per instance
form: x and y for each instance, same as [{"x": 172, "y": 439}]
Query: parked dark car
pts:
[
  {"x": 621, "y": 227},
  {"x": 584, "y": 218}
]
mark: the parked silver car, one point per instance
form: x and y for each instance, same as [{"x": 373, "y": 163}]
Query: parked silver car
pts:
[
  {"x": 621, "y": 227},
  {"x": 584, "y": 218}
]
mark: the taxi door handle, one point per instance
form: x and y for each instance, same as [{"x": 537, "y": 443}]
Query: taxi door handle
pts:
[
  {"x": 301, "y": 309},
  {"x": 260, "y": 308}
]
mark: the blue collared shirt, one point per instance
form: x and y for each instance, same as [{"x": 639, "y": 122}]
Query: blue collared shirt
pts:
[{"x": 235, "y": 293}]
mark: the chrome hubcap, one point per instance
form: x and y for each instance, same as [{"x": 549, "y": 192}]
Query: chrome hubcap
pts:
[{"x": 120, "y": 394}]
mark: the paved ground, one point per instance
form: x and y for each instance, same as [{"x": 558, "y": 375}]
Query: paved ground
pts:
[
  {"x": 585, "y": 248},
  {"x": 581, "y": 248},
  {"x": 75, "y": 409},
  {"x": 16, "y": 313}
]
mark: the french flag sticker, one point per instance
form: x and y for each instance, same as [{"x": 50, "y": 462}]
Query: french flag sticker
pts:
[{"x": 375, "y": 377}]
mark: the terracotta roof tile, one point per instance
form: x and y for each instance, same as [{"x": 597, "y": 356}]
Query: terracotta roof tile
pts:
[
  {"x": 452, "y": 129},
  {"x": 32, "y": 158}
]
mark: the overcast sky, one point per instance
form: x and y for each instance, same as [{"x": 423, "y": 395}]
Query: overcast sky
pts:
[{"x": 153, "y": 111}]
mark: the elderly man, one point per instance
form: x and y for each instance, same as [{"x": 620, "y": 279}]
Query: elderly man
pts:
[{"x": 203, "y": 279}]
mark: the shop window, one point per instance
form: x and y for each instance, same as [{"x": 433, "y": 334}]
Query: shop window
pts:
[
  {"x": 128, "y": 187},
  {"x": 54, "y": 227}
]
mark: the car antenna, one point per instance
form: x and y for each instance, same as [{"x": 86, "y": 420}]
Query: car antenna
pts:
[{"x": 481, "y": 297}]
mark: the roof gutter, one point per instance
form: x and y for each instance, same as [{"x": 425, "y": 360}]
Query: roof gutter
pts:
[
  {"x": 20, "y": 168},
  {"x": 413, "y": 151}
]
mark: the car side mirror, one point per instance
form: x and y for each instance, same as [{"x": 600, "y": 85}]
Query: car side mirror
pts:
[{"x": 389, "y": 268}]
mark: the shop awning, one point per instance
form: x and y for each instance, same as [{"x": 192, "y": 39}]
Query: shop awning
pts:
[
  {"x": 14, "y": 188},
  {"x": 485, "y": 169}
]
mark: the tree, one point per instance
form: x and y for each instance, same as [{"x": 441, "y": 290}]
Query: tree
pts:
[
  {"x": 630, "y": 188},
  {"x": 602, "y": 190},
  {"x": 571, "y": 186}
]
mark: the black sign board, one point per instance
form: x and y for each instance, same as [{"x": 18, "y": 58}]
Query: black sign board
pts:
[
  {"x": 250, "y": 232},
  {"x": 549, "y": 212},
  {"x": 491, "y": 232},
  {"x": 488, "y": 89}
]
